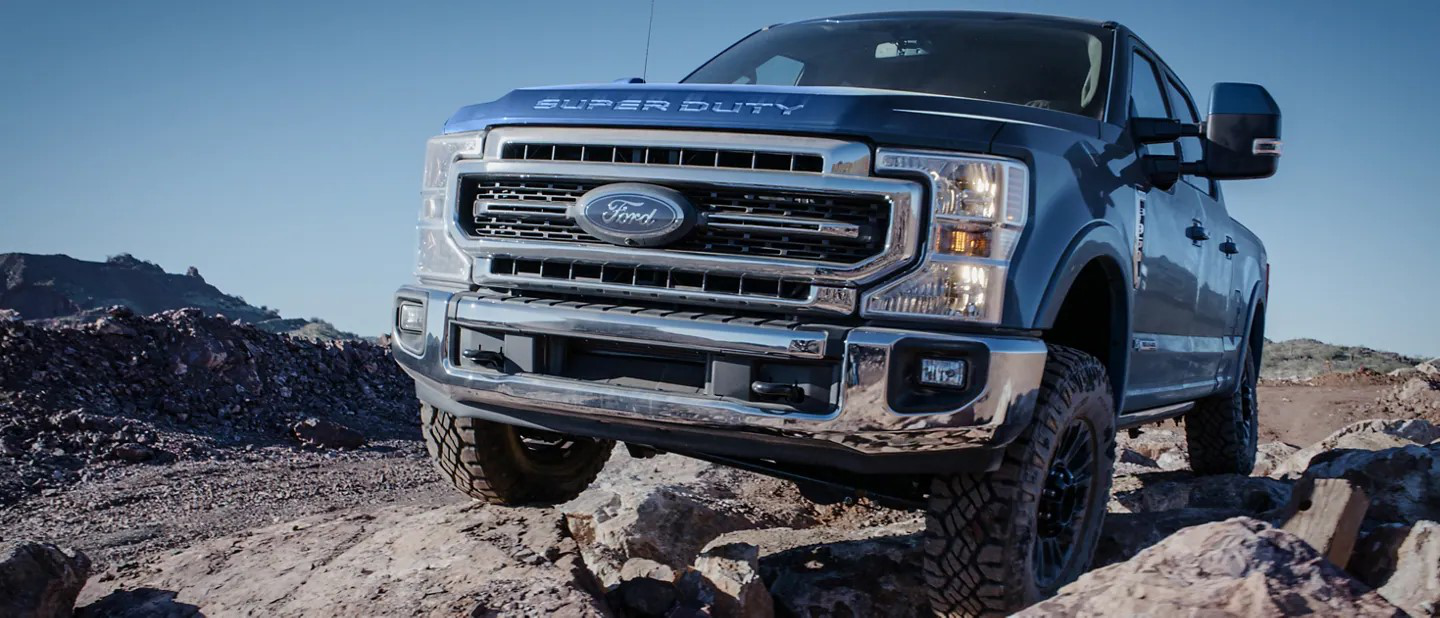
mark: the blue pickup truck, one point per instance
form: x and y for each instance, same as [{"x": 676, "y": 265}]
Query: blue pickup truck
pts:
[{"x": 934, "y": 259}]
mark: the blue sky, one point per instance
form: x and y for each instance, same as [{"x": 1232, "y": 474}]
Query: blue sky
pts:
[{"x": 277, "y": 146}]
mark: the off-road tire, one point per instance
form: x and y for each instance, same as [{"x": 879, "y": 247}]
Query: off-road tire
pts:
[
  {"x": 982, "y": 530},
  {"x": 492, "y": 462},
  {"x": 1223, "y": 432}
]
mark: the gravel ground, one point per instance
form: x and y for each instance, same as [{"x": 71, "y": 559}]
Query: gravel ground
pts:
[{"x": 127, "y": 516}]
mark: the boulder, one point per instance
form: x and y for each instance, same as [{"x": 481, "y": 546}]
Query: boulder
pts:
[
  {"x": 1403, "y": 483},
  {"x": 132, "y": 452},
  {"x": 1370, "y": 435},
  {"x": 40, "y": 580},
  {"x": 1270, "y": 455},
  {"x": 666, "y": 509},
  {"x": 733, "y": 570},
  {"x": 1123, "y": 535},
  {"x": 1149, "y": 493},
  {"x": 1376, "y": 553},
  {"x": 1131, "y": 456},
  {"x": 834, "y": 571},
  {"x": 1237, "y": 567},
  {"x": 1402, "y": 562},
  {"x": 320, "y": 433},
  {"x": 636, "y": 568}
]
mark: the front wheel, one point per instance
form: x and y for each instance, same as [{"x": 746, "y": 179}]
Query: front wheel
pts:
[
  {"x": 503, "y": 464},
  {"x": 997, "y": 542}
]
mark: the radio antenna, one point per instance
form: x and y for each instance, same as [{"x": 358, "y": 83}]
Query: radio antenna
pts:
[{"x": 645, "y": 72}]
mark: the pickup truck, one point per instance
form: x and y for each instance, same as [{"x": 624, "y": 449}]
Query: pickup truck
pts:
[{"x": 934, "y": 259}]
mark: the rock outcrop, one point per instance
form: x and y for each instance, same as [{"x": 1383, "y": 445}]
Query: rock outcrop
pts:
[
  {"x": 1238, "y": 567},
  {"x": 1396, "y": 463},
  {"x": 59, "y": 289},
  {"x": 1414, "y": 585},
  {"x": 40, "y": 580},
  {"x": 1369, "y": 435},
  {"x": 463, "y": 559}
]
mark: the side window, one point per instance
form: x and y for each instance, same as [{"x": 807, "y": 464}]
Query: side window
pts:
[
  {"x": 1147, "y": 99},
  {"x": 1190, "y": 148}
]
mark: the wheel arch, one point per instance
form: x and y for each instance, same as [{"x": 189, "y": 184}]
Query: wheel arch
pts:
[
  {"x": 1253, "y": 340},
  {"x": 1093, "y": 270}
]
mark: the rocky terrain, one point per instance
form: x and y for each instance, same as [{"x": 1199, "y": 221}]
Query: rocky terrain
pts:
[
  {"x": 58, "y": 289},
  {"x": 179, "y": 464},
  {"x": 78, "y": 402}
]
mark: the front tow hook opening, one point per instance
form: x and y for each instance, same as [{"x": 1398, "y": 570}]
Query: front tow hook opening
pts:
[
  {"x": 790, "y": 393},
  {"x": 488, "y": 360}
]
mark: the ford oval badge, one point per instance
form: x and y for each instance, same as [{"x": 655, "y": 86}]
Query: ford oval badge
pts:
[{"x": 633, "y": 214}]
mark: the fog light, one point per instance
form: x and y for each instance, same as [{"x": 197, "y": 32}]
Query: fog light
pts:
[
  {"x": 412, "y": 318},
  {"x": 944, "y": 372}
]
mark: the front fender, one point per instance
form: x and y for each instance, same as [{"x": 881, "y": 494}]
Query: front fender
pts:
[{"x": 1099, "y": 240}]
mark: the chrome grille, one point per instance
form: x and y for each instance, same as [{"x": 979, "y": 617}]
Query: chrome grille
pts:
[{"x": 781, "y": 223}]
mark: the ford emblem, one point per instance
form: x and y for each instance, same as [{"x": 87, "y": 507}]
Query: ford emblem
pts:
[{"x": 633, "y": 214}]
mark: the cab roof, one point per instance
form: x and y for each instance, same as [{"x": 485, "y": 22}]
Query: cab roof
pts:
[{"x": 965, "y": 15}]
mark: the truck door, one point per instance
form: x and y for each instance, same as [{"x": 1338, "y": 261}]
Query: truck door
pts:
[
  {"x": 1164, "y": 367},
  {"x": 1212, "y": 331}
]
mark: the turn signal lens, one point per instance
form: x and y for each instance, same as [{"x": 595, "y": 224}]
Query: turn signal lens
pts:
[{"x": 962, "y": 240}]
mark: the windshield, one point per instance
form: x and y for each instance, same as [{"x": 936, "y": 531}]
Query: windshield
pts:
[{"x": 1057, "y": 66}]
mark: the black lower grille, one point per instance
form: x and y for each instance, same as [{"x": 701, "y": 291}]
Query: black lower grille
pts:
[
  {"x": 678, "y": 279},
  {"x": 530, "y": 208}
]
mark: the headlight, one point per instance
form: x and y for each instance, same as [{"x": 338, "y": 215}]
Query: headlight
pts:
[
  {"x": 436, "y": 255},
  {"x": 978, "y": 207}
]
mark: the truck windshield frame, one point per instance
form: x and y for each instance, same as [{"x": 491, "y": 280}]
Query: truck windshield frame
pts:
[{"x": 1050, "y": 65}]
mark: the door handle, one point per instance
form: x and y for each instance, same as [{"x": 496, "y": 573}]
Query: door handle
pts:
[
  {"x": 1229, "y": 247},
  {"x": 1196, "y": 232}
]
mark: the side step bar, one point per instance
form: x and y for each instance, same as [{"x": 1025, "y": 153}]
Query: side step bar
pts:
[{"x": 1131, "y": 420}]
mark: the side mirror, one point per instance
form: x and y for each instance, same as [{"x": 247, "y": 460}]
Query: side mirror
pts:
[{"x": 1242, "y": 133}]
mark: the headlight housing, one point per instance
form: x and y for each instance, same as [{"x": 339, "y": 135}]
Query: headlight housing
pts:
[
  {"x": 436, "y": 256},
  {"x": 978, "y": 207}
]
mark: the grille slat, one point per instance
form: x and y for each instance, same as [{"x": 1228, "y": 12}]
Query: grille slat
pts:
[
  {"x": 683, "y": 280},
  {"x": 532, "y": 208},
  {"x": 659, "y": 155}
]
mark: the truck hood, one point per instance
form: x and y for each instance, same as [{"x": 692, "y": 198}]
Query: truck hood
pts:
[{"x": 880, "y": 116}]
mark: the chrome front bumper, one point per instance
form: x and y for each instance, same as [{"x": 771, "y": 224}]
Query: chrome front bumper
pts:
[{"x": 863, "y": 421}]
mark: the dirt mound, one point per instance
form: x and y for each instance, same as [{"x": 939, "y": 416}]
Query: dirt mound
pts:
[
  {"x": 1416, "y": 397},
  {"x": 127, "y": 389}
]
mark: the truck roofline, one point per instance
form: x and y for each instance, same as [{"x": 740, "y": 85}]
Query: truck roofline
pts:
[{"x": 960, "y": 14}]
